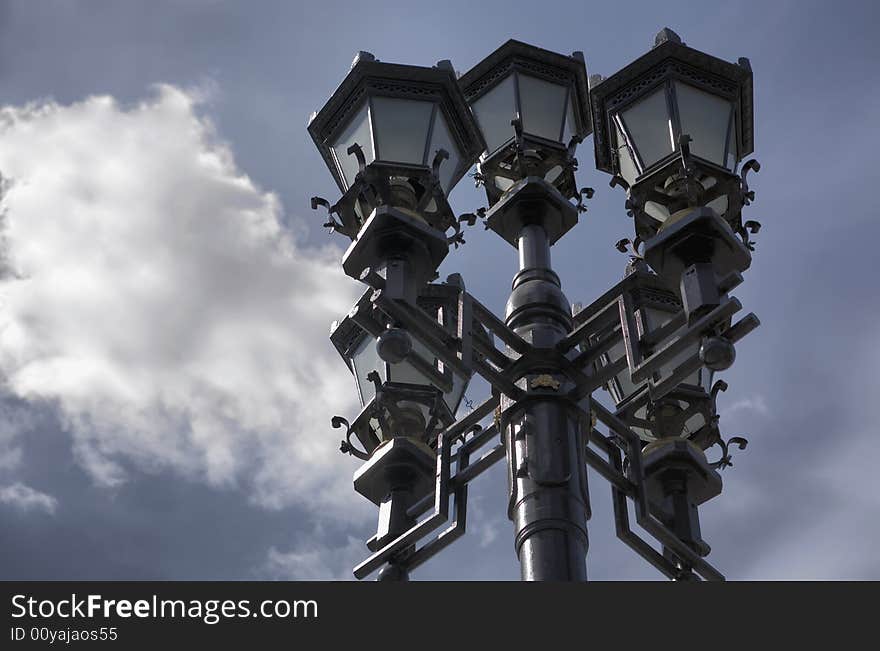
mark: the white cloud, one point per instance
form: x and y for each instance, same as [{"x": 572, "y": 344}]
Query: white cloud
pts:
[
  {"x": 755, "y": 404},
  {"x": 152, "y": 296},
  {"x": 482, "y": 523},
  {"x": 15, "y": 420},
  {"x": 321, "y": 563},
  {"x": 26, "y": 498}
]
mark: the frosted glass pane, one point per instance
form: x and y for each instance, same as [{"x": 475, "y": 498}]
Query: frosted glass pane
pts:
[
  {"x": 704, "y": 117},
  {"x": 358, "y": 131},
  {"x": 657, "y": 210},
  {"x": 442, "y": 139},
  {"x": 401, "y": 129},
  {"x": 494, "y": 111},
  {"x": 669, "y": 368},
  {"x": 622, "y": 387},
  {"x": 406, "y": 372},
  {"x": 653, "y": 319},
  {"x": 648, "y": 124},
  {"x": 503, "y": 183},
  {"x": 645, "y": 434},
  {"x": 365, "y": 360},
  {"x": 453, "y": 398},
  {"x": 731, "y": 147},
  {"x": 693, "y": 424},
  {"x": 570, "y": 124},
  {"x": 553, "y": 173},
  {"x": 628, "y": 169},
  {"x": 543, "y": 107}
]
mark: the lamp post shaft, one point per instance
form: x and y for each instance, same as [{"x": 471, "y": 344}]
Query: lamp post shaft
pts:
[{"x": 549, "y": 500}]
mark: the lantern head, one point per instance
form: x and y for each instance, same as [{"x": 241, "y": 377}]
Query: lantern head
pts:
[
  {"x": 532, "y": 108},
  {"x": 399, "y": 136},
  {"x": 652, "y": 316},
  {"x": 672, "y": 128},
  {"x": 404, "y": 388}
]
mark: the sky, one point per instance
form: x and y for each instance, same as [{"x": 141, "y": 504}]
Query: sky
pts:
[{"x": 166, "y": 377}]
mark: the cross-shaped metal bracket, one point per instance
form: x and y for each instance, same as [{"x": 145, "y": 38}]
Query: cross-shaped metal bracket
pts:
[
  {"x": 596, "y": 330},
  {"x": 402, "y": 549},
  {"x": 631, "y": 485}
]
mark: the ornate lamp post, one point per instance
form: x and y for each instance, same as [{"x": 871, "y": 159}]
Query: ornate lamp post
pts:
[
  {"x": 533, "y": 105},
  {"x": 673, "y": 412},
  {"x": 671, "y": 128},
  {"x": 396, "y": 139}
]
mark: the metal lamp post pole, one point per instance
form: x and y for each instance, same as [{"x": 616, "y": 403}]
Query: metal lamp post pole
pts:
[{"x": 549, "y": 501}]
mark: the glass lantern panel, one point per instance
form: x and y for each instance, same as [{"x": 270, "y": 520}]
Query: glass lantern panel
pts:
[
  {"x": 406, "y": 372},
  {"x": 693, "y": 424},
  {"x": 357, "y": 131},
  {"x": 648, "y": 123},
  {"x": 543, "y": 107},
  {"x": 503, "y": 183},
  {"x": 643, "y": 433},
  {"x": 365, "y": 359},
  {"x": 622, "y": 387},
  {"x": 401, "y": 127},
  {"x": 494, "y": 111},
  {"x": 627, "y": 165},
  {"x": 705, "y": 118},
  {"x": 453, "y": 398},
  {"x": 706, "y": 377},
  {"x": 732, "y": 156},
  {"x": 374, "y": 423},
  {"x": 657, "y": 210},
  {"x": 570, "y": 124},
  {"x": 652, "y": 318},
  {"x": 441, "y": 138},
  {"x": 553, "y": 173},
  {"x": 670, "y": 367}
]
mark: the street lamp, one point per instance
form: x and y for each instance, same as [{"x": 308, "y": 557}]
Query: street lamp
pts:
[
  {"x": 533, "y": 109},
  {"x": 396, "y": 135},
  {"x": 653, "y": 413},
  {"x": 671, "y": 406},
  {"x": 408, "y": 396},
  {"x": 404, "y": 389},
  {"x": 672, "y": 129},
  {"x": 396, "y": 139}
]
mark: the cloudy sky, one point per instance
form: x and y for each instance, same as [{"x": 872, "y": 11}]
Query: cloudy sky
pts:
[{"x": 166, "y": 381}]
